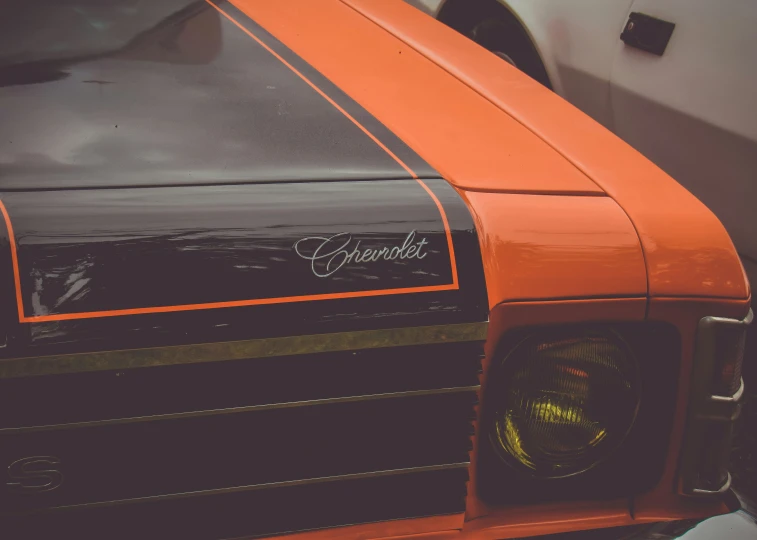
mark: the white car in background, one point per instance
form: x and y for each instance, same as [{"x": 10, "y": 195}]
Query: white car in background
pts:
[{"x": 687, "y": 99}]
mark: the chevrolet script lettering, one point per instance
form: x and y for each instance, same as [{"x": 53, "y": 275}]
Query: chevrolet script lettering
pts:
[
  {"x": 36, "y": 474},
  {"x": 329, "y": 255}
]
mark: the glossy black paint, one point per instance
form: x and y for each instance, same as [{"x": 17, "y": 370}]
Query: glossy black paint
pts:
[
  {"x": 153, "y": 155},
  {"x": 223, "y": 455},
  {"x": 168, "y": 457},
  {"x": 199, "y": 105},
  {"x": 107, "y": 250},
  {"x": 169, "y": 92},
  {"x": 91, "y": 252},
  {"x": 254, "y": 514},
  {"x": 174, "y": 390}
]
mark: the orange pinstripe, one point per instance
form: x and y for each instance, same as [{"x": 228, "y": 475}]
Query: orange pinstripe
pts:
[{"x": 259, "y": 301}]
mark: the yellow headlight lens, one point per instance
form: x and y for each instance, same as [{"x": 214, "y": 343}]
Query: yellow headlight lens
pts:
[{"x": 564, "y": 403}]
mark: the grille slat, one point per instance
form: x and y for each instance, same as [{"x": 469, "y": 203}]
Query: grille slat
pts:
[
  {"x": 255, "y": 514},
  {"x": 298, "y": 430},
  {"x": 210, "y": 452},
  {"x": 81, "y": 397}
]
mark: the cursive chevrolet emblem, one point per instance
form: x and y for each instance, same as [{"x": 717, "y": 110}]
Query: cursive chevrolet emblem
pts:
[{"x": 328, "y": 255}]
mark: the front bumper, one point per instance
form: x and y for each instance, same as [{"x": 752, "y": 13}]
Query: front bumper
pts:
[{"x": 739, "y": 524}]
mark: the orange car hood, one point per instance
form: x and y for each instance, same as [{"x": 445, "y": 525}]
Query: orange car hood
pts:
[{"x": 488, "y": 128}]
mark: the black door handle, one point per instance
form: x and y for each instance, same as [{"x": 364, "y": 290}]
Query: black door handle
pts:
[{"x": 647, "y": 33}]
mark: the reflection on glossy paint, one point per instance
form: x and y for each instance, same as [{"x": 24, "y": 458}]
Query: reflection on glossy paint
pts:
[
  {"x": 102, "y": 251},
  {"x": 89, "y": 254},
  {"x": 551, "y": 247},
  {"x": 164, "y": 93}
]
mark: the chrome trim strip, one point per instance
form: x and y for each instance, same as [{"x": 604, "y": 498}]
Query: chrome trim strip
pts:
[
  {"x": 253, "y": 487},
  {"x": 725, "y": 487},
  {"x": 746, "y": 321},
  {"x": 705, "y": 410},
  {"x": 235, "y": 410},
  {"x": 735, "y": 398},
  {"x": 239, "y": 350}
]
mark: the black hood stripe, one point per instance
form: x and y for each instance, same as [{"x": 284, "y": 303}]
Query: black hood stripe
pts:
[
  {"x": 279, "y": 51},
  {"x": 316, "y": 88},
  {"x": 387, "y": 140}
]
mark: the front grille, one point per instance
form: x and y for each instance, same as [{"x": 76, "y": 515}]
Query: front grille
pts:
[{"x": 243, "y": 448}]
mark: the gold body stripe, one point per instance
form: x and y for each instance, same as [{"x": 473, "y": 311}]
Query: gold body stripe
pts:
[{"x": 239, "y": 350}]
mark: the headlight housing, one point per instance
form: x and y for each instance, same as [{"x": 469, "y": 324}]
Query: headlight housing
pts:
[
  {"x": 639, "y": 378},
  {"x": 564, "y": 402}
]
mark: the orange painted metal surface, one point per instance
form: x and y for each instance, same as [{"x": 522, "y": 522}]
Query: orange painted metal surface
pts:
[
  {"x": 548, "y": 519},
  {"x": 540, "y": 247},
  {"x": 439, "y": 528},
  {"x": 468, "y": 140},
  {"x": 688, "y": 252}
]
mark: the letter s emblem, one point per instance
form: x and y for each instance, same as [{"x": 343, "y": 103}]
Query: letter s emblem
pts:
[{"x": 35, "y": 474}]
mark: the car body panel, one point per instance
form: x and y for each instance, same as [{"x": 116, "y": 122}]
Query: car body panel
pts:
[
  {"x": 509, "y": 193},
  {"x": 693, "y": 111},
  {"x": 211, "y": 257},
  {"x": 55, "y": 232},
  {"x": 566, "y": 36},
  {"x": 687, "y": 250},
  {"x": 473, "y": 145},
  {"x": 551, "y": 247},
  {"x": 109, "y": 115},
  {"x": 740, "y": 525},
  {"x": 153, "y": 271},
  {"x": 689, "y": 111}
]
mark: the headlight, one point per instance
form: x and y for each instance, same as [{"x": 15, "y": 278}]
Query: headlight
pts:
[{"x": 563, "y": 403}]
